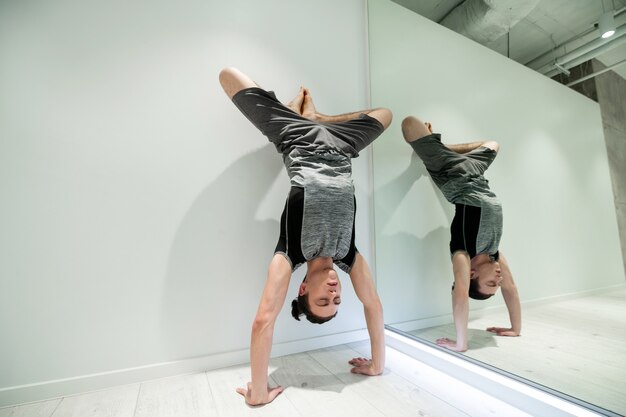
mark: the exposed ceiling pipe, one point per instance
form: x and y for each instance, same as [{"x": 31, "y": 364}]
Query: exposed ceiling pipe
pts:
[
  {"x": 596, "y": 44},
  {"x": 585, "y": 38},
  {"x": 587, "y": 56},
  {"x": 549, "y": 56},
  {"x": 595, "y": 74},
  {"x": 487, "y": 20}
]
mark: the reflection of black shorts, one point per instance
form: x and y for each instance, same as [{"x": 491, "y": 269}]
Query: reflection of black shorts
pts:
[
  {"x": 444, "y": 164},
  {"x": 290, "y": 240}
]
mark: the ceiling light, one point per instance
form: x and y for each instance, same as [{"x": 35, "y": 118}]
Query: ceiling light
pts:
[{"x": 607, "y": 25}]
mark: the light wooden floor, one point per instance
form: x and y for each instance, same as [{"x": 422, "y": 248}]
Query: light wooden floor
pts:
[
  {"x": 576, "y": 346},
  {"x": 318, "y": 384}
]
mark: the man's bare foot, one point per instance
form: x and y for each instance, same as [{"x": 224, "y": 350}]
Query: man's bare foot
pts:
[
  {"x": 296, "y": 103},
  {"x": 308, "y": 108}
]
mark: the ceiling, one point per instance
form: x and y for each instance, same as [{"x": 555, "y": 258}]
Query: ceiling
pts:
[{"x": 549, "y": 31}]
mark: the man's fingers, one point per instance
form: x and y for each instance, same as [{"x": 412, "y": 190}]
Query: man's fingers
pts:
[
  {"x": 501, "y": 331},
  {"x": 507, "y": 333},
  {"x": 274, "y": 392},
  {"x": 244, "y": 391},
  {"x": 363, "y": 370}
]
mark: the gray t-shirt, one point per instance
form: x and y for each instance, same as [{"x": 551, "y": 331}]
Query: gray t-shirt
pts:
[{"x": 328, "y": 212}]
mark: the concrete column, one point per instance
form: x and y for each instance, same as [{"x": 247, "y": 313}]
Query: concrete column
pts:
[{"x": 611, "y": 91}]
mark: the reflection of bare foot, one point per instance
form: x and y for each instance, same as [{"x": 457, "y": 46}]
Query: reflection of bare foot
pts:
[
  {"x": 296, "y": 103},
  {"x": 308, "y": 108}
]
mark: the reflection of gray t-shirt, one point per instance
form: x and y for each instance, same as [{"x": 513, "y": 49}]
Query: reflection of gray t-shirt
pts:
[
  {"x": 477, "y": 225},
  {"x": 317, "y": 157}
]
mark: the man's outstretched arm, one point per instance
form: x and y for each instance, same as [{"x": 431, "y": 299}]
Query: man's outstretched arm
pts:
[
  {"x": 511, "y": 298},
  {"x": 461, "y": 267},
  {"x": 364, "y": 287},
  {"x": 258, "y": 391}
]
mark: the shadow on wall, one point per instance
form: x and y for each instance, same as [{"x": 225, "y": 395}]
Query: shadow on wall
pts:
[
  {"x": 212, "y": 285},
  {"x": 427, "y": 257},
  {"x": 393, "y": 193},
  {"x": 418, "y": 295}
]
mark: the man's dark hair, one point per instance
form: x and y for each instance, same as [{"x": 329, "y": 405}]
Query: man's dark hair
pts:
[
  {"x": 473, "y": 290},
  {"x": 474, "y": 293},
  {"x": 300, "y": 306}
]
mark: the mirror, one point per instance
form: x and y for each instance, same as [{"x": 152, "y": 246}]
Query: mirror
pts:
[{"x": 551, "y": 175}]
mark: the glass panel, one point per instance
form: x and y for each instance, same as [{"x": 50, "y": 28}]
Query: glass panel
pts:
[{"x": 551, "y": 175}]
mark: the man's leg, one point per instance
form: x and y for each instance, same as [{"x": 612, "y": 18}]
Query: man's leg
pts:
[
  {"x": 384, "y": 116},
  {"x": 233, "y": 81},
  {"x": 428, "y": 147},
  {"x": 297, "y": 103},
  {"x": 468, "y": 147},
  {"x": 414, "y": 129},
  {"x": 309, "y": 111}
]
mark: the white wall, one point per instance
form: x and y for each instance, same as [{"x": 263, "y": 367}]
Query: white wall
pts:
[
  {"x": 139, "y": 208},
  {"x": 560, "y": 232}
]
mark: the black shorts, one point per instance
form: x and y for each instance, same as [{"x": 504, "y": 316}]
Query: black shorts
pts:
[{"x": 288, "y": 130}]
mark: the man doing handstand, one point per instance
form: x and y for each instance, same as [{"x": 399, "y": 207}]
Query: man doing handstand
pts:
[
  {"x": 478, "y": 266},
  {"x": 317, "y": 224}
]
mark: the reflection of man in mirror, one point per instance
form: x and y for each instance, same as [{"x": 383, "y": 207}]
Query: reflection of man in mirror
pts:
[
  {"x": 478, "y": 266},
  {"x": 317, "y": 224}
]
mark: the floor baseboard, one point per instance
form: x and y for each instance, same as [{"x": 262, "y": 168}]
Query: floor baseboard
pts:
[{"x": 45, "y": 390}]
